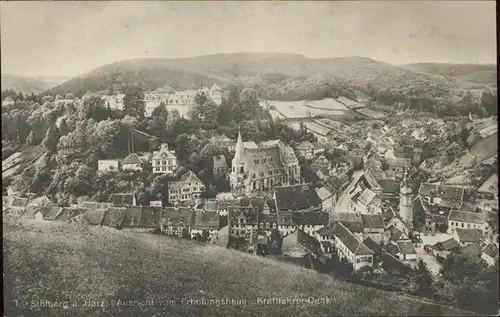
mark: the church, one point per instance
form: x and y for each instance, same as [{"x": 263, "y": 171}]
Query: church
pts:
[{"x": 258, "y": 170}]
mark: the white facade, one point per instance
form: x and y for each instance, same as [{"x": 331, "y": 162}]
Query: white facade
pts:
[
  {"x": 131, "y": 167},
  {"x": 164, "y": 161},
  {"x": 107, "y": 165}
]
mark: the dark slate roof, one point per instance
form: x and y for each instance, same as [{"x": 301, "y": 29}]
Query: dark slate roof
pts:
[
  {"x": 131, "y": 217},
  {"x": 464, "y": 216},
  {"x": 491, "y": 250},
  {"x": 206, "y": 221},
  {"x": 285, "y": 218},
  {"x": 350, "y": 220},
  {"x": 373, "y": 221},
  {"x": 94, "y": 217},
  {"x": 326, "y": 231},
  {"x": 311, "y": 218},
  {"x": 333, "y": 184},
  {"x": 67, "y": 213},
  {"x": 296, "y": 197},
  {"x": 120, "y": 200},
  {"x": 442, "y": 191},
  {"x": 311, "y": 243},
  {"x": 447, "y": 245},
  {"x": 150, "y": 217},
  {"x": 30, "y": 211},
  {"x": 254, "y": 202},
  {"x": 389, "y": 185},
  {"x": 132, "y": 159},
  {"x": 472, "y": 250},
  {"x": 393, "y": 263},
  {"x": 406, "y": 247},
  {"x": 50, "y": 213},
  {"x": 181, "y": 215},
  {"x": 350, "y": 240},
  {"x": 374, "y": 246},
  {"x": 219, "y": 161},
  {"x": 469, "y": 235},
  {"x": 395, "y": 233},
  {"x": 18, "y": 201},
  {"x": 95, "y": 205},
  {"x": 113, "y": 217}
]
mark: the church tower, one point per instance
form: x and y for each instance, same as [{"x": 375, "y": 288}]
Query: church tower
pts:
[
  {"x": 406, "y": 201},
  {"x": 238, "y": 168}
]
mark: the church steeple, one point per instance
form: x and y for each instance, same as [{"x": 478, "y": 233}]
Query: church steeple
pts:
[
  {"x": 406, "y": 201},
  {"x": 238, "y": 156}
]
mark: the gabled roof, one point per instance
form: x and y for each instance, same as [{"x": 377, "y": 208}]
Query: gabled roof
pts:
[
  {"x": 91, "y": 217},
  {"x": 468, "y": 217},
  {"x": 113, "y": 217},
  {"x": 323, "y": 193},
  {"x": 333, "y": 184},
  {"x": 19, "y": 202},
  {"x": 299, "y": 238},
  {"x": 354, "y": 245},
  {"x": 311, "y": 218},
  {"x": 326, "y": 231},
  {"x": 469, "y": 235},
  {"x": 296, "y": 197},
  {"x": 187, "y": 177},
  {"x": 372, "y": 221},
  {"x": 181, "y": 215},
  {"x": 489, "y": 184},
  {"x": 67, "y": 213},
  {"x": 163, "y": 153},
  {"x": 491, "y": 250},
  {"x": 219, "y": 161},
  {"x": 388, "y": 185},
  {"x": 206, "y": 221},
  {"x": 350, "y": 220},
  {"x": 406, "y": 247},
  {"x": 442, "y": 191},
  {"x": 150, "y": 217},
  {"x": 40, "y": 201},
  {"x": 132, "y": 159},
  {"x": 472, "y": 250},
  {"x": 447, "y": 245},
  {"x": 50, "y": 213},
  {"x": 366, "y": 197},
  {"x": 374, "y": 246}
]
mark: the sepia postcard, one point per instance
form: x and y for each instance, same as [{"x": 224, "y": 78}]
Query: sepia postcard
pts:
[{"x": 249, "y": 158}]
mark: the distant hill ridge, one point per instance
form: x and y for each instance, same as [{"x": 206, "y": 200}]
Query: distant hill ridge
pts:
[{"x": 183, "y": 73}]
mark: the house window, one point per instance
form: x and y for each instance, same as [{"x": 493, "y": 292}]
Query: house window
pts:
[
  {"x": 242, "y": 169},
  {"x": 462, "y": 224},
  {"x": 468, "y": 225},
  {"x": 157, "y": 169},
  {"x": 164, "y": 168}
]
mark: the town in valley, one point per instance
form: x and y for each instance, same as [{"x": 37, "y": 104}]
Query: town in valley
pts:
[{"x": 370, "y": 174}]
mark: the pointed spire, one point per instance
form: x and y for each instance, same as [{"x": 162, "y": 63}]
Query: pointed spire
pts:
[{"x": 239, "y": 147}]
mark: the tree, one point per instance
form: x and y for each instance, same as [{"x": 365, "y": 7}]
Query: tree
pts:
[
  {"x": 420, "y": 280},
  {"x": 489, "y": 103},
  {"x": 92, "y": 107},
  {"x": 30, "y": 140},
  {"x": 20, "y": 96},
  {"x": 205, "y": 115},
  {"x": 200, "y": 98},
  {"x": 161, "y": 113},
  {"x": 51, "y": 139},
  {"x": 133, "y": 102}
]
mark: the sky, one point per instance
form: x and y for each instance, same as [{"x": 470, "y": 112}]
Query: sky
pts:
[{"x": 66, "y": 39}]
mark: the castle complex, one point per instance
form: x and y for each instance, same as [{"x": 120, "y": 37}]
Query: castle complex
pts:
[
  {"x": 182, "y": 101},
  {"x": 258, "y": 170}
]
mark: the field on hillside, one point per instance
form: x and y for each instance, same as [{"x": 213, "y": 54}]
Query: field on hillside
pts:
[
  {"x": 115, "y": 270},
  {"x": 302, "y": 108}
]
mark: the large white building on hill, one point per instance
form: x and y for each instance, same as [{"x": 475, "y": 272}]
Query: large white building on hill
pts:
[{"x": 183, "y": 101}]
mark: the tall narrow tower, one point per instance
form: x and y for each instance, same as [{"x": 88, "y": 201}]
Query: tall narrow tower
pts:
[
  {"x": 238, "y": 166},
  {"x": 406, "y": 201}
]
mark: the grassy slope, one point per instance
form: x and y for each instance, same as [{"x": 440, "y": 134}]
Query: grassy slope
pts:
[{"x": 56, "y": 261}]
